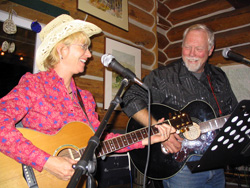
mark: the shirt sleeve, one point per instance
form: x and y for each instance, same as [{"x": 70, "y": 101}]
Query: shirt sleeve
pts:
[{"x": 13, "y": 107}]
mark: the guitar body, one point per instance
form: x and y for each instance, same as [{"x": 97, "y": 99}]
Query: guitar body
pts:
[
  {"x": 70, "y": 138},
  {"x": 164, "y": 166}
]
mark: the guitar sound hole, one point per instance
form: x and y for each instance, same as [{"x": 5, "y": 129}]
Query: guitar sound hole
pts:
[{"x": 70, "y": 153}]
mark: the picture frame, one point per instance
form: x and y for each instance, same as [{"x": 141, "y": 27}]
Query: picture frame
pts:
[
  {"x": 115, "y": 13},
  {"x": 129, "y": 57}
]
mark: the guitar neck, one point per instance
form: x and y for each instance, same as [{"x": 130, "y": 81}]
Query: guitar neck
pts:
[
  {"x": 108, "y": 146},
  {"x": 213, "y": 124},
  {"x": 114, "y": 144}
]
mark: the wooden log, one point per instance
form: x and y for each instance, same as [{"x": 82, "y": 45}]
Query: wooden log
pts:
[
  {"x": 162, "y": 41},
  {"x": 233, "y": 37},
  {"x": 94, "y": 86},
  {"x": 147, "y": 57},
  {"x": 220, "y": 22},
  {"x": 217, "y": 57},
  {"x": 163, "y": 10},
  {"x": 173, "y": 4},
  {"x": 198, "y": 10},
  {"x": 147, "y": 5},
  {"x": 141, "y": 16},
  {"x": 118, "y": 119},
  {"x": 94, "y": 67},
  {"x": 224, "y": 39}
]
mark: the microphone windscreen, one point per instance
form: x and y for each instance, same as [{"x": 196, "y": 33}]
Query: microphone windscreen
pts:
[
  {"x": 106, "y": 59},
  {"x": 225, "y": 52}
]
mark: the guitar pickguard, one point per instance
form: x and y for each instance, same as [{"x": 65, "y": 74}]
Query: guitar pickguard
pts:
[{"x": 197, "y": 147}]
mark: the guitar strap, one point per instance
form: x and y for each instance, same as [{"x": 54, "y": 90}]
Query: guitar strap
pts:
[
  {"x": 83, "y": 108},
  {"x": 212, "y": 88},
  {"x": 28, "y": 172}
]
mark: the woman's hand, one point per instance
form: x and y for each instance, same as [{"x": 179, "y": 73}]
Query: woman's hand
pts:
[
  {"x": 165, "y": 131},
  {"x": 61, "y": 167}
]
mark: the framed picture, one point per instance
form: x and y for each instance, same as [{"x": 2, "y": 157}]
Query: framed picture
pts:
[
  {"x": 114, "y": 12},
  {"x": 129, "y": 57}
]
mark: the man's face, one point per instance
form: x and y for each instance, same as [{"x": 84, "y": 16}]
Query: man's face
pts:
[{"x": 195, "y": 50}]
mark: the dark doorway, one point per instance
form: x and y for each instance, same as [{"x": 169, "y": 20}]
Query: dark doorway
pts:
[{"x": 12, "y": 67}]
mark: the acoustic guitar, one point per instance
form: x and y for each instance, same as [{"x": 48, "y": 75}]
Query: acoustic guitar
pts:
[
  {"x": 197, "y": 139},
  {"x": 71, "y": 141}
]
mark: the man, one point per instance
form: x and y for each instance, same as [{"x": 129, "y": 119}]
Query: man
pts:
[{"x": 178, "y": 84}]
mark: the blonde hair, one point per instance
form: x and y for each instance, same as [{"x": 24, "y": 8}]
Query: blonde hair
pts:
[
  {"x": 203, "y": 27},
  {"x": 53, "y": 58}
]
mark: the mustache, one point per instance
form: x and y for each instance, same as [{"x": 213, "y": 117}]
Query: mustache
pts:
[{"x": 192, "y": 58}]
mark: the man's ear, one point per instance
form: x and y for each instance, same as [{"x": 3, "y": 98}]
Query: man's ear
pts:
[{"x": 211, "y": 51}]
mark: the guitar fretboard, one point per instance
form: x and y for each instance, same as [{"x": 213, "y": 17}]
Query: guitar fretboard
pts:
[
  {"x": 114, "y": 144},
  {"x": 213, "y": 124}
]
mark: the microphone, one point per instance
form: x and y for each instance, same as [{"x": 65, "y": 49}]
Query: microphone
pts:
[
  {"x": 228, "y": 53},
  {"x": 109, "y": 61}
]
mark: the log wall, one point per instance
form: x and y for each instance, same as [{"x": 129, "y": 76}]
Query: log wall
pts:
[
  {"x": 231, "y": 27},
  {"x": 156, "y": 27},
  {"x": 141, "y": 34}
]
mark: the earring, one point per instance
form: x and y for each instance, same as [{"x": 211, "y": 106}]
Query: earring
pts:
[{"x": 61, "y": 57}]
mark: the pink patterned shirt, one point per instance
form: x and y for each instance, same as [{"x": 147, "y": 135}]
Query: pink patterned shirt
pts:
[{"x": 43, "y": 104}]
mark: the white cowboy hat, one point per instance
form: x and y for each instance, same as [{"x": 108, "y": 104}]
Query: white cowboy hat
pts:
[{"x": 58, "y": 29}]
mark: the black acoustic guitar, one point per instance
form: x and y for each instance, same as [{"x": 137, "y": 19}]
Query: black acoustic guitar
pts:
[{"x": 196, "y": 139}]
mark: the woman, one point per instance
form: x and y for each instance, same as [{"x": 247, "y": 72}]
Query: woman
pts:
[{"x": 48, "y": 100}]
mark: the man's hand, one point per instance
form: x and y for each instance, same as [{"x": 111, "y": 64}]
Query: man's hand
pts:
[
  {"x": 173, "y": 144},
  {"x": 61, "y": 167},
  {"x": 165, "y": 131}
]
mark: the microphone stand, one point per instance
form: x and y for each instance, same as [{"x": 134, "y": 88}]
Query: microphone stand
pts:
[{"x": 86, "y": 164}]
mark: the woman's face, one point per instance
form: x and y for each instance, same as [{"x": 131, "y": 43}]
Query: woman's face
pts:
[{"x": 76, "y": 56}]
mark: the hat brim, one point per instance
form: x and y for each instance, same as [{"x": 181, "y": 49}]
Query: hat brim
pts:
[{"x": 59, "y": 33}]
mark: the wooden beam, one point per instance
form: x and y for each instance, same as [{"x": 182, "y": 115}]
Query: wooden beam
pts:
[{"x": 42, "y": 7}]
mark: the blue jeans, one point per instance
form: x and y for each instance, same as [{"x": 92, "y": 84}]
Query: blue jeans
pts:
[{"x": 186, "y": 179}]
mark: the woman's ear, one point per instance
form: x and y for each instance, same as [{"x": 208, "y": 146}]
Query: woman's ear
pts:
[{"x": 60, "y": 50}]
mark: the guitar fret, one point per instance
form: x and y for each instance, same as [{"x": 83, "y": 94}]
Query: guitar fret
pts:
[
  {"x": 116, "y": 144},
  {"x": 210, "y": 124},
  {"x": 111, "y": 144},
  {"x": 134, "y": 137},
  {"x": 120, "y": 141},
  {"x": 108, "y": 150},
  {"x": 154, "y": 130},
  {"x": 124, "y": 139},
  {"x": 129, "y": 138},
  {"x": 139, "y": 135},
  {"x": 103, "y": 149},
  {"x": 144, "y": 133},
  {"x": 213, "y": 124}
]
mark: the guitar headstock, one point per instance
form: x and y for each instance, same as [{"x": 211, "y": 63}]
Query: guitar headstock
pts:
[{"x": 181, "y": 122}]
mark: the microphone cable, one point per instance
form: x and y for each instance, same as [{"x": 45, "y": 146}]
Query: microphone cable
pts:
[{"x": 149, "y": 139}]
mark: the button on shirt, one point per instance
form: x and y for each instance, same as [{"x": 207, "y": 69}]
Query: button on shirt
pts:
[{"x": 43, "y": 104}]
